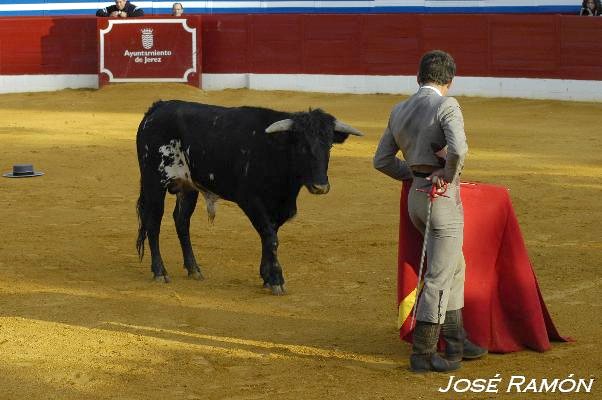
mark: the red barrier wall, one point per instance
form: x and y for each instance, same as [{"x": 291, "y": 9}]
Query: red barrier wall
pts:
[
  {"x": 532, "y": 46},
  {"x": 48, "y": 45}
]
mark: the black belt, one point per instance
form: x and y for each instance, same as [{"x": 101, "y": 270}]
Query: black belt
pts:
[{"x": 421, "y": 174}]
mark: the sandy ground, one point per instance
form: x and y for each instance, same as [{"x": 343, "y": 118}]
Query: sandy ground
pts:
[{"x": 81, "y": 319}]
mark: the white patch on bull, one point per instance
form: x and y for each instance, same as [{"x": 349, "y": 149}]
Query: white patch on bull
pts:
[{"x": 174, "y": 167}]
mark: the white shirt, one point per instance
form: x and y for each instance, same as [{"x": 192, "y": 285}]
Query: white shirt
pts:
[{"x": 432, "y": 88}]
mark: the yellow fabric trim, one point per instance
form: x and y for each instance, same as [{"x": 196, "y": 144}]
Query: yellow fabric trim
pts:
[{"x": 405, "y": 307}]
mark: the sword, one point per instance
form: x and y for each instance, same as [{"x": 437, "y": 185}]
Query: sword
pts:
[{"x": 432, "y": 195}]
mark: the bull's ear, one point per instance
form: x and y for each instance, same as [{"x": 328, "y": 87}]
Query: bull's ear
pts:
[
  {"x": 342, "y": 131},
  {"x": 280, "y": 126}
]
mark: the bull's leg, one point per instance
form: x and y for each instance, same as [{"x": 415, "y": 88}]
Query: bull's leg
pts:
[
  {"x": 270, "y": 269},
  {"x": 185, "y": 205},
  {"x": 154, "y": 206}
]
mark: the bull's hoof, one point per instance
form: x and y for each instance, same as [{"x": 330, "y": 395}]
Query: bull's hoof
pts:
[
  {"x": 161, "y": 279},
  {"x": 196, "y": 275},
  {"x": 277, "y": 290}
]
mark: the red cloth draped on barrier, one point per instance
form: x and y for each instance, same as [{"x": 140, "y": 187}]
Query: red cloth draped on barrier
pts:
[{"x": 504, "y": 310}]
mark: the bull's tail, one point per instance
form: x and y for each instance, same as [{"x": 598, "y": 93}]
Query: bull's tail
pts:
[
  {"x": 141, "y": 206},
  {"x": 142, "y": 231}
]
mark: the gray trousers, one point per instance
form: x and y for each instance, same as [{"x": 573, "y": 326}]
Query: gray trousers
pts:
[{"x": 443, "y": 288}]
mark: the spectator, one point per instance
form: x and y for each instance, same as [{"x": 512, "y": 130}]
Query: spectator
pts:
[
  {"x": 177, "y": 10},
  {"x": 121, "y": 9},
  {"x": 590, "y": 8}
]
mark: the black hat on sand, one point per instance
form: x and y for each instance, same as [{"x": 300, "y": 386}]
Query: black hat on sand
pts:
[{"x": 22, "y": 171}]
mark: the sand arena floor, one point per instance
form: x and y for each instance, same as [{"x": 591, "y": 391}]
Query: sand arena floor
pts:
[{"x": 81, "y": 319}]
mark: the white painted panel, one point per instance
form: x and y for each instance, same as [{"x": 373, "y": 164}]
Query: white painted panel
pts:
[
  {"x": 46, "y": 83},
  {"x": 553, "y": 89}
]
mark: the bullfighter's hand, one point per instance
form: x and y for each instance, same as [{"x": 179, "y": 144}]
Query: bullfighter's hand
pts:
[
  {"x": 114, "y": 14},
  {"x": 437, "y": 178}
]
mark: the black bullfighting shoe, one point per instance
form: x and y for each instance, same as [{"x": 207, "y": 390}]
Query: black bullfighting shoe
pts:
[
  {"x": 424, "y": 356},
  {"x": 457, "y": 345}
]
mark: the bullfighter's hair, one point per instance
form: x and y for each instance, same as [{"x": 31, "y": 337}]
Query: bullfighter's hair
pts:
[{"x": 437, "y": 67}]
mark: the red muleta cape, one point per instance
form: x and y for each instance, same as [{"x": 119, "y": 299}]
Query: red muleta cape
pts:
[{"x": 504, "y": 310}]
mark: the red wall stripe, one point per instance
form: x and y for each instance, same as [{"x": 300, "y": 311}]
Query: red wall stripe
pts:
[{"x": 531, "y": 46}]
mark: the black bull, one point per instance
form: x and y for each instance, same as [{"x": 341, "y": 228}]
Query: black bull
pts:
[{"x": 256, "y": 157}]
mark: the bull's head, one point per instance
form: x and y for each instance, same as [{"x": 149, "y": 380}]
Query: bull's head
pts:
[{"x": 313, "y": 134}]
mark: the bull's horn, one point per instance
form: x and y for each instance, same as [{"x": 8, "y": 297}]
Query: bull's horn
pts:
[
  {"x": 280, "y": 126},
  {"x": 344, "y": 128}
]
